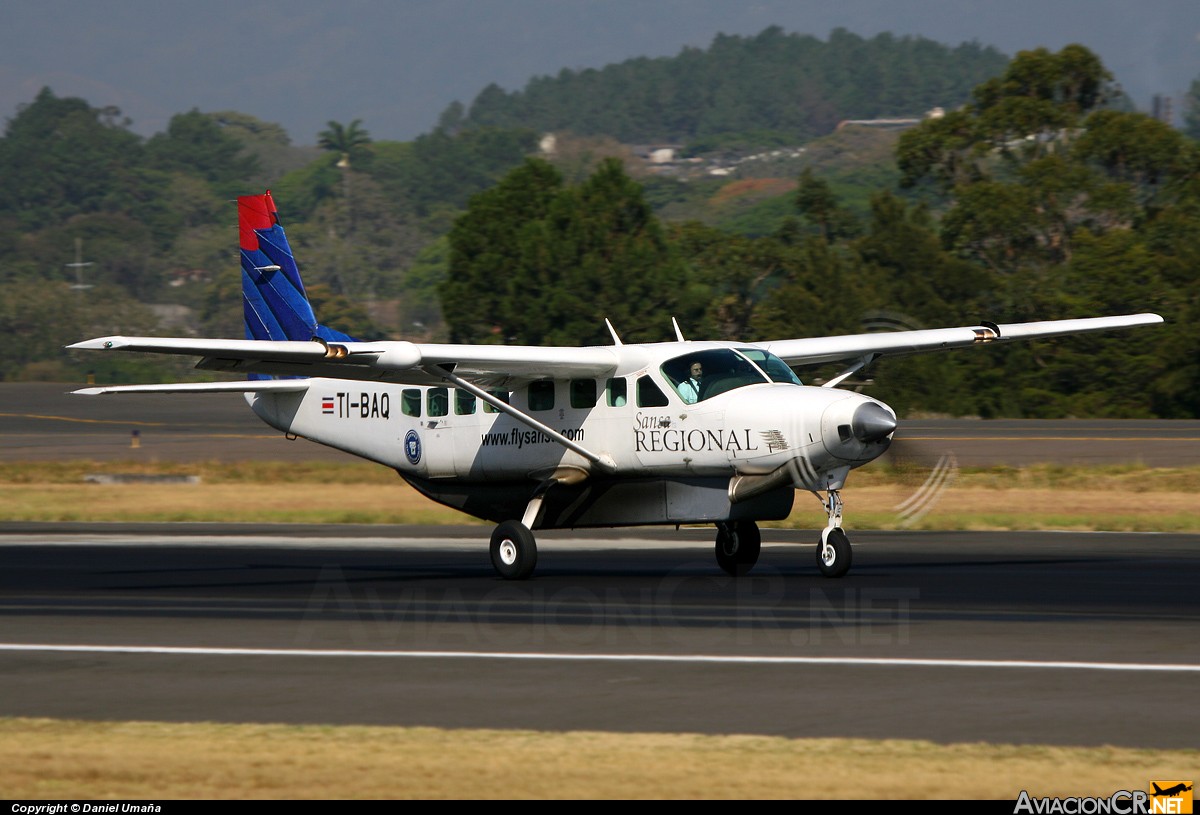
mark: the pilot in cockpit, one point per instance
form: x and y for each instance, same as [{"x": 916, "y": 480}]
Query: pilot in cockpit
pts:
[{"x": 689, "y": 389}]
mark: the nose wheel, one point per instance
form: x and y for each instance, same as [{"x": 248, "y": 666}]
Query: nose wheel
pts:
[
  {"x": 833, "y": 552},
  {"x": 738, "y": 545}
]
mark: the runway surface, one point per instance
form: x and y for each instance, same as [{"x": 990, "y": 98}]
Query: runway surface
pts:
[
  {"x": 1049, "y": 638},
  {"x": 41, "y": 421}
]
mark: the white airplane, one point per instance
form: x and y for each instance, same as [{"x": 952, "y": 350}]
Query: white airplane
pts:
[{"x": 548, "y": 438}]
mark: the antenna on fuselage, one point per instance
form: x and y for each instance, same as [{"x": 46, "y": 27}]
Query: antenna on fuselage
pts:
[
  {"x": 678, "y": 333},
  {"x": 613, "y": 331}
]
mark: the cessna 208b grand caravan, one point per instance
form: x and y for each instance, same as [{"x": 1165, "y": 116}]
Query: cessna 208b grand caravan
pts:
[{"x": 548, "y": 438}]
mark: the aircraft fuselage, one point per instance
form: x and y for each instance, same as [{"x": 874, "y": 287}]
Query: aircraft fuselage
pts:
[{"x": 752, "y": 435}]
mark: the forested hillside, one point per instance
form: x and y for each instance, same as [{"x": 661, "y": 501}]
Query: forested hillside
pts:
[
  {"x": 1035, "y": 201},
  {"x": 1038, "y": 198},
  {"x": 774, "y": 88}
]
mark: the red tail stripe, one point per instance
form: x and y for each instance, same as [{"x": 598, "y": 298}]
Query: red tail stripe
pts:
[{"x": 254, "y": 212}]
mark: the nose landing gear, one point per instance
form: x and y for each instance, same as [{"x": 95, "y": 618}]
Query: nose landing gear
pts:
[{"x": 833, "y": 552}]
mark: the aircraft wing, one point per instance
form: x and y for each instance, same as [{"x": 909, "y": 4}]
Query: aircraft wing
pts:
[
  {"x": 859, "y": 346},
  {"x": 399, "y": 362},
  {"x": 241, "y": 386}
]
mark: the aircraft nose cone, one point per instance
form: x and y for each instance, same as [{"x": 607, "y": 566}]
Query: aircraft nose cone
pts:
[{"x": 872, "y": 423}]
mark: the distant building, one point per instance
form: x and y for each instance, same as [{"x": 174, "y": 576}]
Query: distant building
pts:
[{"x": 657, "y": 153}]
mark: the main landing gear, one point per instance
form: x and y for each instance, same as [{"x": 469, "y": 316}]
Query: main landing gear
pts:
[
  {"x": 738, "y": 545},
  {"x": 833, "y": 552},
  {"x": 514, "y": 551}
]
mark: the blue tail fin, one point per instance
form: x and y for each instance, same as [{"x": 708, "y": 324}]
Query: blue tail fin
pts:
[{"x": 274, "y": 302}]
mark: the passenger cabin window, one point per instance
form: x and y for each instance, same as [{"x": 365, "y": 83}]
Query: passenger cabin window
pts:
[
  {"x": 439, "y": 402},
  {"x": 583, "y": 393},
  {"x": 616, "y": 390},
  {"x": 502, "y": 396},
  {"x": 704, "y": 374},
  {"x": 410, "y": 402},
  {"x": 649, "y": 394},
  {"x": 541, "y": 394},
  {"x": 464, "y": 402}
]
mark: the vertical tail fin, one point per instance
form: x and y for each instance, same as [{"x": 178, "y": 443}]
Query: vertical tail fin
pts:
[{"x": 274, "y": 302}]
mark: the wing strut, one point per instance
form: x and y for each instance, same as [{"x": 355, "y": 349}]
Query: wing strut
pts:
[
  {"x": 856, "y": 367},
  {"x": 602, "y": 462}
]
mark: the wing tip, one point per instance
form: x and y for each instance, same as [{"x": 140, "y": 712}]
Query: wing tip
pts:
[{"x": 97, "y": 344}]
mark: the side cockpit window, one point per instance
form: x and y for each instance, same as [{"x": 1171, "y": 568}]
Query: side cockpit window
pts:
[
  {"x": 649, "y": 394},
  {"x": 704, "y": 374}
]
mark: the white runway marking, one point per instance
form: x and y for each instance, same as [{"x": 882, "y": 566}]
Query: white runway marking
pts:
[{"x": 566, "y": 657}]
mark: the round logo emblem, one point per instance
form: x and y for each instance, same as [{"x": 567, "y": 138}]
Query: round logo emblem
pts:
[{"x": 412, "y": 447}]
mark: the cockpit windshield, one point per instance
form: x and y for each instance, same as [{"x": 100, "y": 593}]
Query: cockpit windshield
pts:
[
  {"x": 704, "y": 374},
  {"x": 772, "y": 365}
]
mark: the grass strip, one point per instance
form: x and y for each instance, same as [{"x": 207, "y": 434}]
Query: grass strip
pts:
[{"x": 57, "y": 759}]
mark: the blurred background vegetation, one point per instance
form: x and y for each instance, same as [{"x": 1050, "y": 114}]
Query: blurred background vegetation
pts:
[{"x": 768, "y": 186}]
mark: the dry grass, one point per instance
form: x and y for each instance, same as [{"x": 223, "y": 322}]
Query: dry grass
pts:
[
  {"x": 42, "y": 759},
  {"x": 981, "y": 508},
  {"x": 396, "y": 503},
  {"x": 1084, "y": 498}
]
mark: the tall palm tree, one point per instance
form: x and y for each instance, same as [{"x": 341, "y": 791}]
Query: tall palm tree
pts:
[{"x": 345, "y": 139}]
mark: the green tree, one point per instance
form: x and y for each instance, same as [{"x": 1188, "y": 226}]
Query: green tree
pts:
[
  {"x": 194, "y": 143},
  {"x": 817, "y": 203},
  {"x": 362, "y": 258},
  {"x": 605, "y": 254},
  {"x": 483, "y": 292},
  {"x": 1021, "y": 115},
  {"x": 911, "y": 272},
  {"x": 61, "y": 157},
  {"x": 535, "y": 262},
  {"x": 732, "y": 273},
  {"x": 1134, "y": 149},
  {"x": 249, "y": 129},
  {"x": 350, "y": 141},
  {"x": 50, "y": 315},
  {"x": 821, "y": 291}
]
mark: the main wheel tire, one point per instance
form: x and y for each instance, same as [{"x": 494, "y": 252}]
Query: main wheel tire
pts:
[
  {"x": 738, "y": 546},
  {"x": 514, "y": 550},
  {"x": 834, "y": 553}
]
